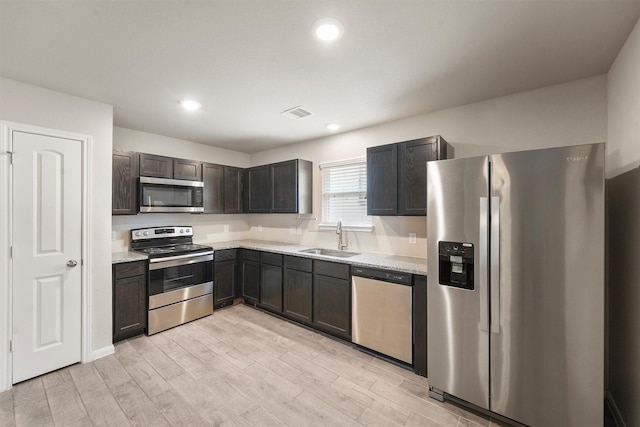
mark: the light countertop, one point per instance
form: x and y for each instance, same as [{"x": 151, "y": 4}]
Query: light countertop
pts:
[{"x": 373, "y": 260}]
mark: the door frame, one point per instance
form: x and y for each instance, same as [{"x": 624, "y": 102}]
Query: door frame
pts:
[{"x": 6, "y": 227}]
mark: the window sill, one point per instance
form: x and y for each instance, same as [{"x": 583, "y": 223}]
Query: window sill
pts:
[{"x": 332, "y": 227}]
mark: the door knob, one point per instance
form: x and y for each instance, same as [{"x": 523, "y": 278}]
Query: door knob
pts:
[{"x": 72, "y": 263}]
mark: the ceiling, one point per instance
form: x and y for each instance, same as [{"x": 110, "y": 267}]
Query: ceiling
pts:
[{"x": 246, "y": 61}]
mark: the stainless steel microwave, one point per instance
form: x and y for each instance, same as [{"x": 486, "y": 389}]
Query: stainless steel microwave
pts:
[{"x": 170, "y": 195}]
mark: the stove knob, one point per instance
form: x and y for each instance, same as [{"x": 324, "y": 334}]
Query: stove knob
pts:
[
  {"x": 181, "y": 230},
  {"x": 188, "y": 230},
  {"x": 146, "y": 233},
  {"x": 138, "y": 233}
]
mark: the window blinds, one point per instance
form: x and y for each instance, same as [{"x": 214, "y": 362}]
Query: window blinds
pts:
[{"x": 344, "y": 192}]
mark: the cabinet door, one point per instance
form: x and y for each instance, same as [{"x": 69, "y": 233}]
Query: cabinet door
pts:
[
  {"x": 297, "y": 294},
  {"x": 124, "y": 182},
  {"x": 232, "y": 190},
  {"x": 187, "y": 169},
  {"x": 156, "y": 166},
  {"x": 420, "y": 325},
  {"x": 412, "y": 192},
  {"x": 284, "y": 176},
  {"x": 382, "y": 180},
  {"x": 258, "y": 189},
  {"x": 271, "y": 287},
  {"x": 213, "y": 178},
  {"x": 332, "y": 305},
  {"x": 129, "y": 300},
  {"x": 224, "y": 280},
  {"x": 250, "y": 272}
]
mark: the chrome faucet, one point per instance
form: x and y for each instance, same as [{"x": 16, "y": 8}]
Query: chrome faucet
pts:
[{"x": 339, "y": 232}]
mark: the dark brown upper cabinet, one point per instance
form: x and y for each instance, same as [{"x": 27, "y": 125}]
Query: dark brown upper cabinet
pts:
[
  {"x": 168, "y": 167},
  {"x": 156, "y": 166},
  {"x": 232, "y": 190},
  {"x": 397, "y": 176},
  {"x": 213, "y": 178},
  {"x": 123, "y": 185},
  {"x": 257, "y": 190},
  {"x": 187, "y": 169},
  {"x": 284, "y": 187}
]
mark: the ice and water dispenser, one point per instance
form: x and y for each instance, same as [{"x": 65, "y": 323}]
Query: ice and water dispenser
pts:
[{"x": 456, "y": 264}]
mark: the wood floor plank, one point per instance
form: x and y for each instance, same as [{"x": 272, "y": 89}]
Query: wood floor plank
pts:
[
  {"x": 415, "y": 404},
  {"x": 96, "y": 397},
  {"x": 344, "y": 369},
  {"x": 7, "y": 416},
  {"x": 258, "y": 416},
  {"x": 132, "y": 399},
  {"x": 317, "y": 413},
  {"x": 66, "y": 405},
  {"x": 30, "y": 404},
  {"x": 310, "y": 368},
  {"x": 379, "y": 406}
]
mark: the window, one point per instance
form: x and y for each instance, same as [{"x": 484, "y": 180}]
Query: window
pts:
[{"x": 344, "y": 193}]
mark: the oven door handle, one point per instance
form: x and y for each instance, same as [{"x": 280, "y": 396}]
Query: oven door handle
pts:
[{"x": 158, "y": 263}]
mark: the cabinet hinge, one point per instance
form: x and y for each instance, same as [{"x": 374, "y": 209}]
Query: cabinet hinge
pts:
[
  {"x": 10, "y": 153},
  {"x": 10, "y": 346},
  {"x": 11, "y": 252}
]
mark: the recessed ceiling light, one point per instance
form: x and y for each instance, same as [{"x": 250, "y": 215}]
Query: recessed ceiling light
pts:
[
  {"x": 190, "y": 104},
  {"x": 333, "y": 126},
  {"x": 327, "y": 29}
]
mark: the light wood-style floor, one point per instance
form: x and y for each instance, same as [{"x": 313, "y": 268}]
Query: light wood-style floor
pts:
[{"x": 239, "y": 366}]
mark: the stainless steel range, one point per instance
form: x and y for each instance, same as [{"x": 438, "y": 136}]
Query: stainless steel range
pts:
[{"x": 180, "y": 285}]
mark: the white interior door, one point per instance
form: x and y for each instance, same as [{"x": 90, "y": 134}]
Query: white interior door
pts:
[{"x": 47, "y": 245}]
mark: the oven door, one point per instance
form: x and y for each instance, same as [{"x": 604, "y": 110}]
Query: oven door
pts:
[{"x": 172, "y": 273}]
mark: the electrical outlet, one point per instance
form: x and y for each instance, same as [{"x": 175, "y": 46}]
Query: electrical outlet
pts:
[
  {"x": 412, "y": 238},
  {"x": 299, "y": 230},
  {"x": 114, "y": 236},
  {"x": 260, "y": 228},
  {"x": 292, "y": 230},
  {"x": 226, "y": 228}
]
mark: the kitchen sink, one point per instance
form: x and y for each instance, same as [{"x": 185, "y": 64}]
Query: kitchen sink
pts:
[{"x": 329, "y": 252}]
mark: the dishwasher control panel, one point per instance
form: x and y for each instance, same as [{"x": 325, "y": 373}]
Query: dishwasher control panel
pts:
[{"x": 387, "y": 276}]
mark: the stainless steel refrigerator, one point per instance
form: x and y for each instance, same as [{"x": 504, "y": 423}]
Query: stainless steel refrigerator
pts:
[{"x": 515, "y": 284}]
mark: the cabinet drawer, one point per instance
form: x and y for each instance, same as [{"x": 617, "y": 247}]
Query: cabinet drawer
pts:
[
  {"x": 130, "y": 269},
  {"x": 298, "y": 263},
  {"x": 331, "y": 269},
  {"x": 250, "y": 255},
  {"x": 225, "y": 255},
  {"x": 271, "y": 259}
]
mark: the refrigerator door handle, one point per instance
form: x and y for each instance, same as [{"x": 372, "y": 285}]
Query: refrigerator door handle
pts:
[
  {"x": 495, "y": 264},
  {"x": 483, "y": 255}
]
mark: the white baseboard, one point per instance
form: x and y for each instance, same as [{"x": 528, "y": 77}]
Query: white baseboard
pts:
[
  {"x": 615, "y": 411},
  {"x": 102, "y": 352}
]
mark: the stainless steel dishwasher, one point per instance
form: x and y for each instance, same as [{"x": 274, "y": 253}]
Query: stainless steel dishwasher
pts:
[{"x": 382, "y": 312}]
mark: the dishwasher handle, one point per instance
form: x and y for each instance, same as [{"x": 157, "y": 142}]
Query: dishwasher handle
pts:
[{"x": 384, "y": 275}]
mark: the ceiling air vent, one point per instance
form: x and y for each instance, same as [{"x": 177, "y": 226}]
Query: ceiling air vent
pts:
[{"x": 297, "y": 113}]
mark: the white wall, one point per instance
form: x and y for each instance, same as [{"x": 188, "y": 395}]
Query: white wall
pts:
[
  {"x": 623, "y": 90},
  {"x": 207, "y": 228},
  {"x": 36, "y": 106},
  {"x": 566, "y": 114},
  {"x": 623, "y": 85}
]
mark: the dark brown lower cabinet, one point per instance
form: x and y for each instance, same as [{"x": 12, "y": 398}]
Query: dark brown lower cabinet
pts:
[
  {"x": 297, "y": 290},
  {"x": 250, "y": 276},
  {"x": 129, "y": 299},
  {"x": 420, "y": 325},
  {"x": 271, "y": 281},
  {"x": 224, "y": 277},
  {"x": 332, "y": 298}
]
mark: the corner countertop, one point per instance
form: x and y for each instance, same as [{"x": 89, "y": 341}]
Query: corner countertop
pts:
[
  {"x": 120, "y": 257},
  {"x": 385, "y": 261}
]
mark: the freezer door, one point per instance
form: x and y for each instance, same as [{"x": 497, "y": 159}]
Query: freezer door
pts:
[
  {"x": 457, "y": 318},
  {"x": 547, "y": 296}
]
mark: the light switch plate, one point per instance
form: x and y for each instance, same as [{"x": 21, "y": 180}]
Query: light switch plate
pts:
[
  {"x": 412, "y": 238},
  {"x": 226, "y": 228}
]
